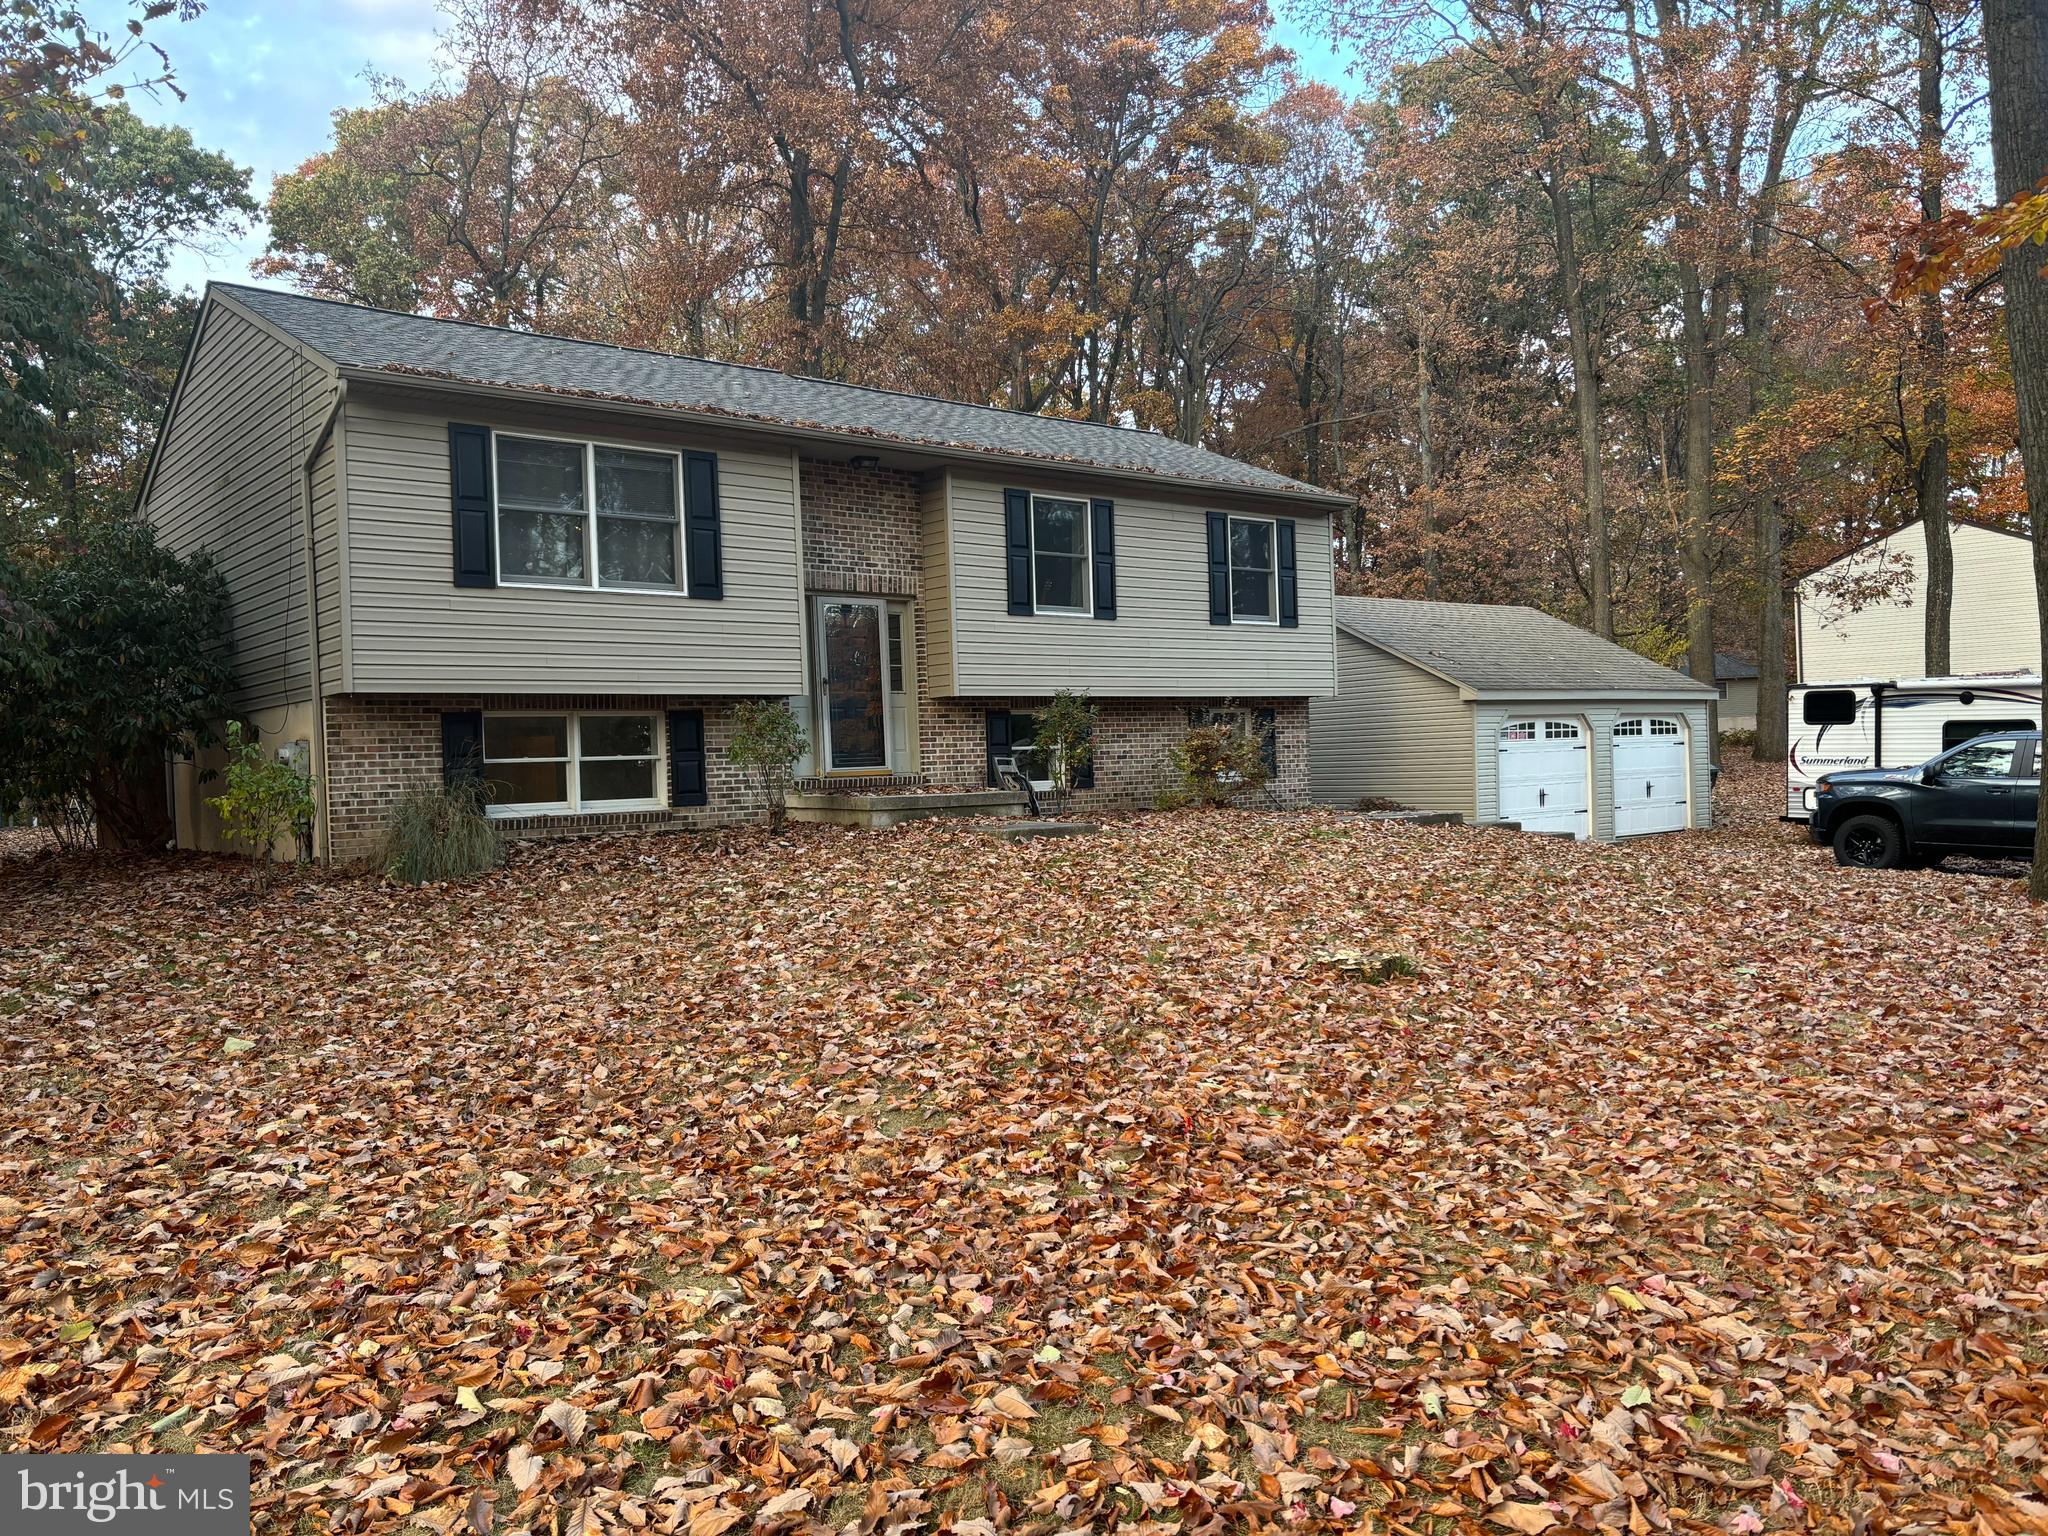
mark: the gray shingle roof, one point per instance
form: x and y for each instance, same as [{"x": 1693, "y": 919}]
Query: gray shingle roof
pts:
[
  {"x": 356, "y": 337},
  {"x": 1502, "y": 649},
  {"x": 1728, "y": 667}
]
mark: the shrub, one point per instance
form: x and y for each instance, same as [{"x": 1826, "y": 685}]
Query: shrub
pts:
[
  {"x": 1740, "y": 736},
  {"x": 265, "y": 798},
  {"x": 112, "y": 654},
  {"x": 1065, "y": 734},
  {"x": 442, "y": 833},
  {"x": 1215, "y": 764},
  {"x": 766, "y": 742}
]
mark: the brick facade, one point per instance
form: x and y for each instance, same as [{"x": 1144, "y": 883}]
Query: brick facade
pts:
[
  {"x": 862, "y": 534},
  {"x": 380, "y": 747},
  {"x": 1134, "y": 740}
]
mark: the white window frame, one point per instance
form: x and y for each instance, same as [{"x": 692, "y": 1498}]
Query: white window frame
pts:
[
  {"x": 1272, "y": 571},
  {"x": 591, "y": 581},
  {"x": 575, "y": 805},
  {"x": 1087, "y": 557}
]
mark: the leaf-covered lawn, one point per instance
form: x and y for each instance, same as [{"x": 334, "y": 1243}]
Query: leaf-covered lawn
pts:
[{"x": 885, "y": 1182}]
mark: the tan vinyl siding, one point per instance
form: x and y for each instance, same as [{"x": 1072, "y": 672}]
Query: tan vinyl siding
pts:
[
  {"x": 1393, "y": 731},
  {"x": 228, "y": 479},
  {"x": 1599, "y": 719},
  {"x": 412, "y": 629},
  {"x": 1992, "y": 624},
  {"x": 936, "y": 607},
  {"x": 1161, "y": 644}
]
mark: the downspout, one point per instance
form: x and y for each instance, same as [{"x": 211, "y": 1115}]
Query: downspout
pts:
[{"x": 322, "y": 829}]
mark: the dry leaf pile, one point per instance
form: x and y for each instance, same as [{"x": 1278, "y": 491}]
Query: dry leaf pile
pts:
[{"x": 910, "y": 1181}]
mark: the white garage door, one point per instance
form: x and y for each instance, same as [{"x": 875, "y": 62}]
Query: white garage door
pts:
[
  {"x": 1649, "y": 776},
  {"x": 1543, "y": 776}
]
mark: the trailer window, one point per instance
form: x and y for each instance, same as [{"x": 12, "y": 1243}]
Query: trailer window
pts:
[
  {"x": 1955, "y": 732},
  {"x": 1831, "y": 706}
]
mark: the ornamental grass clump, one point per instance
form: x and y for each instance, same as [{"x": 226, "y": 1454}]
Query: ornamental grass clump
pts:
[{"x": 442, "y": 833}]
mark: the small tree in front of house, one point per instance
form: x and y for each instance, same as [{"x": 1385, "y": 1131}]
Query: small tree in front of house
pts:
[
  {"x": 265, "y": 798},
  {"x": 1215, "y": 764},
  {"x": 1065, "y": 734},
  {"x": 766, "y": 742}
]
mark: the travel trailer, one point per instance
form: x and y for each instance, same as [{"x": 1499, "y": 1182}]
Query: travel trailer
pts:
[{"x": 1873, "y": 723}]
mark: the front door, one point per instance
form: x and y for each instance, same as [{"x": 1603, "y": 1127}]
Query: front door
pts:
[{"x": 853, "y": 684}]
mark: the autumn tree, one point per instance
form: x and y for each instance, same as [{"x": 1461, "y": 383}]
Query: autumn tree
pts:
[
  {"x": 2016, "y": 45},
  {"x": 477, "y": 201}
]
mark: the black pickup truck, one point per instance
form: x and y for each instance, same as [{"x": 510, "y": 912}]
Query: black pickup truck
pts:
[{"x": 1980, "y": 798}]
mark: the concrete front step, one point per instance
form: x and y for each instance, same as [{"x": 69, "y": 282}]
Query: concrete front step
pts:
[
  {"x": 884, "y": 808},
  {"x": 1016, "y": 831}
]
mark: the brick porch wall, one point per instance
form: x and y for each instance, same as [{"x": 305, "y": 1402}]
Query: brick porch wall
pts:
[
  {"x": 380, "y": 746},
  {"x": 1133, "y": 740}
]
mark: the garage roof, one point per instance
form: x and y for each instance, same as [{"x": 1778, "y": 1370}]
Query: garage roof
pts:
[{"x": 1497, "y": 649}]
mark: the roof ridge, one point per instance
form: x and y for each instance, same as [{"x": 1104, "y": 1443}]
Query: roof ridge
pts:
[{"x": 714, "y": 362}]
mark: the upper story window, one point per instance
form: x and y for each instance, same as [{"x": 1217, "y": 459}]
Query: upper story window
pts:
[
  {"x": 1254, "y": 597},
  {"x": 567, "y": 510},
  {"x": 1059, "y": 554}
]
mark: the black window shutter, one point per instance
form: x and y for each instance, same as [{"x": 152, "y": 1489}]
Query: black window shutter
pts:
[
  {"x": 998, "y": 741},
  {"x": 1290, "y": 588},
  {"x": 686, "y": 782},
  {"x": 462, "y": 745},
  {"x": 1267, "y": 723},
  {"x": 469, "y": 478},
  {"x": 1219, "y": 568},
  {"x": 700, "y": 518},
  {"x": 1084, "y": 776},
  {"x": 1102, "y": 544},
  {"x": 1017, "y": 547}
]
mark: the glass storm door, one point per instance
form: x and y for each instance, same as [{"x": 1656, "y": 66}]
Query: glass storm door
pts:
[{"x": 853, "y": 683}]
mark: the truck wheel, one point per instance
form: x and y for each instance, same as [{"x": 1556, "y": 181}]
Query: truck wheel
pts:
[{"x": 1869, "y": 842}]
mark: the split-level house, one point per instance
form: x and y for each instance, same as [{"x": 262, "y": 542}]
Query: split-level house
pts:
[{"x": 451, "y": 543}]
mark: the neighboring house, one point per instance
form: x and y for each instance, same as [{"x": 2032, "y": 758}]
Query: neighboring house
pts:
[
  {"x": 1508, "y": 714},
  {"x": 1993, "y": 622},
  {"x": 448, "y": 543},
  {"x": 1735, "y": 680}
]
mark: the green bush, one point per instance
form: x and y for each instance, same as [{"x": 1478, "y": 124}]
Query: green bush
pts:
[
  {"x": 442, "y": 833},
  {"x": 766, "y": 742},
  {"x": 112, "y": 654},
  {"x": 1215, "y": 764},
  {"x": 265, "y": 798},
  {"x": 1065, "y": 734}
]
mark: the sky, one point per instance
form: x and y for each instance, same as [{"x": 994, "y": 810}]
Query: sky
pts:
[{"x": 263, "y": 78}]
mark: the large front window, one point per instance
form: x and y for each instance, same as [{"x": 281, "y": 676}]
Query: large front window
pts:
[
  {"x": 1059, "y": 554},
  {"x": 1252, "y": 595},
  {"x": 558, "y": 502},
  {"x": 539, "y": 764}
]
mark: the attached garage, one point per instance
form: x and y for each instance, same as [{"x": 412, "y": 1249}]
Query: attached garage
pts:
[{"x": 1506, "y": 714}]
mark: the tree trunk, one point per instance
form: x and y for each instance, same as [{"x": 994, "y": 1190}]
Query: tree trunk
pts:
[
  {"x": 1696, "y": 545},
  {"x": 1432, "y": 557},
  {"x": 1771, "y": 687},
  {"x": 1586, "y": 389},
  {"x": 2016, "y": 42},
  {"x": 130, "y": 808},
  {"x": 1930, "y": 473}
]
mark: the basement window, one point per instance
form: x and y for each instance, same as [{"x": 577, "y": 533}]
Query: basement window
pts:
[{"x": 561, "y": 764}]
